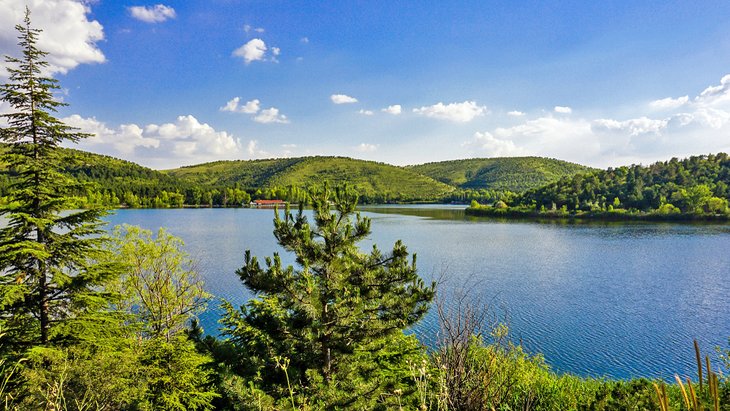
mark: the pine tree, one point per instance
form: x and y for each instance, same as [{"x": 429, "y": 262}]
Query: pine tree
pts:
[
  {"x": 48, "y": 283},
  {"x": 339, "y": 303}
]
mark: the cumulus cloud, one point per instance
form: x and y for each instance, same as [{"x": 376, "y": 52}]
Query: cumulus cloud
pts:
[
  {"x": 714, "y": 92},
  {"x": 270, "y": 115},
  {"x": 366, "y": 112},
  {"x": 457, "y": 112},
  {"x": 255, "y": 50},
  {"x": 366, "y": 148},
  {"x": 515, "y": 113},
  {"x": 669, "y": 103},
  {"x": 184, "y": 141},
  {"x": 395, "y": 109},
  {"x": 253, "y": 107},
  {"x": 253, "y": 150},
  {"x": 632, "y": 127},
  {"x": 68, "y": 34},
  {"x": 152, "y": 14},
  {"x": 688, "y": 126},
  {"x": 342, "y": 99},
  {"x": 563, "y": 110},
  {"x": 491, "y": 146},
  {"x": 563, "y": 138}
]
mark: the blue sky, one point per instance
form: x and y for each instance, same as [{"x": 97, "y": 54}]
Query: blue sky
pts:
[{"x": 182, "y": 82}]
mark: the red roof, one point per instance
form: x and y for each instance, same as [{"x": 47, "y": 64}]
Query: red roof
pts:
[{"x": 268, "y": 201}]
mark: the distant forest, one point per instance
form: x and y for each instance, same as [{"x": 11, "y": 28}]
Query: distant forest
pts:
[
  {"x": 110, "y": 182},
  {"x": 692, "y": 187}
]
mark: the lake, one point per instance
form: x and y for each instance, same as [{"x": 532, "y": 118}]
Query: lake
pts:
[{"x": 596, "y": 299}]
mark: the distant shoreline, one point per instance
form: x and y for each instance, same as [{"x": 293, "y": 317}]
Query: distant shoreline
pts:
[{"x": 512, "y": 213}]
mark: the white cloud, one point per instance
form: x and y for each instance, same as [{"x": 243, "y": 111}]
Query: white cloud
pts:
[
  {"x": 185, "y": 141},
  {"x": 515, "y": 113},
  {"x": 152, "y": 14},
  {"x": 253, "y": 150},
  {"x": 123, "y": 140},
  {"x": 563, "y": 137},
  {"x": 669, "y": 103},
  {"x": 251, "y": 107},
  {"x": 395, "y": 109},
  {"x": 68, "y": 35},
  {"x": 706, "y": 117},
  {"x": 457, "y": 112},
  {"x": 563, "y": 110},
  {"x": 270, "y": 115},
  {"x": 342, "y": 99},
  {"x": 690, "y": 126},
  {"x": 304, "y": 40},
  {"x": 366, "y": 148},
  {"x": 712, "y": 92},
  {"x": 632, "y": 127},
  {"x": 366, "y": 112},
  {"x": 491, "y": 146},
  {"x": 254, "y": 50},
  {"x": 248, "y": 28}
]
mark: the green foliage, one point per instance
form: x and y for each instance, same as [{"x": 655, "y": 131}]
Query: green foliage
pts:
[
  {"x": 79, "y": 378},
  {"x": 49, "y": 286},
  {"x": 175, "y": 375},
  {"x": 516, "y": 174},
  {"x": 150, "y": 375},
  {"x": 697, "y": 186},
  {"x": 333, "y": 316},
  {"x": 472, "y": 374},
  {"x": 159, "y": 284},
  {"x": 375, "y": 182}
]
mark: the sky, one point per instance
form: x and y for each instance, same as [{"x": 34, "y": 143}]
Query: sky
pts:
[{"x": 604, "y": 84}]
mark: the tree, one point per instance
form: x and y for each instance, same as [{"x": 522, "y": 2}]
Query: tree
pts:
[
  {"x": 50, "y": 285},
  {"x": 338, "y": 303},
  {"x": 159, "y": 283}
]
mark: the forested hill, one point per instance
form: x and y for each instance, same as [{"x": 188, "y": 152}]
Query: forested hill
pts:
[
  {"x": 115, "y": 173},
  {"x": 376, "y": 182},
  {"x": 696, "y": 185},
  {"x": 113, "y": 182},
  {"x": 515, "y": 174},
  {"x": 110, "y": 181}
]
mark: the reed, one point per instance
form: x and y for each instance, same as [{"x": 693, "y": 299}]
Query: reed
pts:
[
  {"x": 684, "y": 392},
  {"x": 694, "y": 400},
  {"x": 699, "y": 363},
  {"x": 662, "y": 395}
]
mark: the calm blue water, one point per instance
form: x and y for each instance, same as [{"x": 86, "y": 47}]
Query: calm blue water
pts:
[{"x": 617, "y": 300}]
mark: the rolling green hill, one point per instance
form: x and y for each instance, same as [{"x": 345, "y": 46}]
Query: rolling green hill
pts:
[
  {"x": 114, "y": 182},
  {"x": 517, "y": 174},
  {"x": 105, "y": 173},
  {"x": 375, "y": 181}
]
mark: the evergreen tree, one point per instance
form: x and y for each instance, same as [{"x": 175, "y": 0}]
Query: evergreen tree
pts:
[
  {"x": 339, "y": 304},
  {"x": 49, "y": 287}
]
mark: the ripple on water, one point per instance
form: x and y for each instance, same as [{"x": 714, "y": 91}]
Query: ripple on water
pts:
[{"x": 617, "y": 300}]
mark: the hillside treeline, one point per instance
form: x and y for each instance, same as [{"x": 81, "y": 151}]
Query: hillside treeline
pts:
[{"x": 692, "y": 187}]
